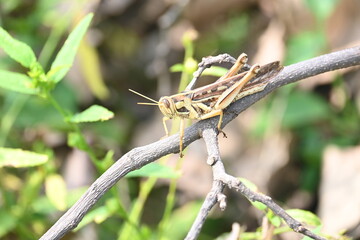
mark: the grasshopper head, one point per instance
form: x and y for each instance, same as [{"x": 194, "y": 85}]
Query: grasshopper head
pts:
[{"x": 167, "y": 107}]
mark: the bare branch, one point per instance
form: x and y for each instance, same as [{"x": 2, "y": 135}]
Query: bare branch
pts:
[
  {"x": 212, "y": 146},
  {"x": 138, "y": 157},
  {"x": 207, "y": 62},
  {"x": 296, "y": 72},
  {"x": 209, "y": 203},
  {"x": 220, "y": 175}
]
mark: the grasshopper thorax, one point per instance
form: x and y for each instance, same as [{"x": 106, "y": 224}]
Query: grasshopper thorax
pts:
[{"x": 167, "y": 107}]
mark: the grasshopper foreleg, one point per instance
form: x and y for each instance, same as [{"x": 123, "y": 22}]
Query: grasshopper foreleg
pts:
[{"x": 165, "y": 127}]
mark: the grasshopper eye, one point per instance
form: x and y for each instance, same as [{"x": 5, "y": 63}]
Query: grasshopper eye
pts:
[{"x": 166, "y": 103}]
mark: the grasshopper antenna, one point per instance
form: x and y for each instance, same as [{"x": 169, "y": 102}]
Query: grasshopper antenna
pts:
[
  {"x": 150, "y": 99},
  {"x": 146, "y": 103}
]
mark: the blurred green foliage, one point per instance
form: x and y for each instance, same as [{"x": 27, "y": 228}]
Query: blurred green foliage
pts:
[
  {"x": 225, "y": 38},
  {"x": 19, "y": 197}
]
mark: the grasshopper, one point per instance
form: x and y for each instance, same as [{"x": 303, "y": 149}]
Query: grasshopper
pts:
[{"x": 211, "y": 100}]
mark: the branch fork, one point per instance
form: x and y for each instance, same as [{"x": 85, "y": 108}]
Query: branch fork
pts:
[
  {"x": 222, "y": 179},
  {"x": 140, "y": 156}
]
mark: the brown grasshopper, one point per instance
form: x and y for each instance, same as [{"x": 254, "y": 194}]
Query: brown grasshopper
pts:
[{"x": 211, "y": 100}]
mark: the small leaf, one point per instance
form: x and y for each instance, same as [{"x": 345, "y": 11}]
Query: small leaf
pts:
[
  {"x": 322, "y": 9},
  {"x": 90, "y": 66},
  {"x": 76, "y": 140},
  {"x": 66, "y": 55},
  {"x": 259, "y": 205},
  {"x": 179, "y": 67},
  {"x": 107, "y": 161},
  {"x": 215, "y": 71},
  {"x": 254, "y": 188},
  {"x": 274, "y": 219},
  {"x": 7, "y": 222},
  {"x": 94, "y": 113},
  {"x": 55, "y": 189},
  {"x": 181, "y": 220},
  {"x": 154, "y": 170},
  {"x": 190, "y": 65},
  {"x": 93, "y": 216},
  {"x": 249, "y": 184},
  {"x": 16, "y": 82},
  {"x": 18, "y": 158},
  {"x": 304, "y": 216},
  {"x": 305, "y": 108},
  {"x": 16, "y": 49},
  {"x": 317, "y": 231},
  {"x": 99, "y": 214},
  {"x": 42, "y": 205},
  {"x": 305, "y": 45}
]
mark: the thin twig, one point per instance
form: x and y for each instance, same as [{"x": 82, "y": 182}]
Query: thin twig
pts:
[
  {"x": 209, "y": 202},
  {"x": 138, "y": 157},
  {"x": 207, "y": 62},
  {"x": 212, "y": 146}
]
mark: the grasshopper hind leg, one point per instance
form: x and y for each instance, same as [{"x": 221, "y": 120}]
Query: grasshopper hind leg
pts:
[
  {"x": 214, "y": 113},
  {"x": 219, "y": 124}
]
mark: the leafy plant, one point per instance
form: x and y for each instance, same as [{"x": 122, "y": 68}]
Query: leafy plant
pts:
[{"x": 36, "y": 82}]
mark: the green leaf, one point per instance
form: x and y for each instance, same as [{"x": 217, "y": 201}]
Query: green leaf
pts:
[
  {"x": 107, "y": 161},
  {"x": 317, "y": 231},
  {"x": 215, "y": 71},
  {"x": 66, "y": 55},
  {"x": 154, "y": 170},
  {"x": 16, "y": 49},
  {"x": 190, "y": 65},
  {"x": 55, "y": 189},
  {"x": 94, "y": 113},
  {"x": 181, "y": 220},
  {"x": 305, "y": 217},
  {"x": 305, "y": 108},
  {"x": 273, "y": 218},
  {"x": 322, "y": 9},
  {"x": 42, "y": 205},
  {"x": 76, "y": 140},
  {"x": 31, "y": 190},
  {"x": 254, "y": 188},
  {"x": 99, "y": 214},
  {"x": 19, "y": 158},
  {"x": 305, "y": 45},
  {"x": 179, "y": 67},
  {"x": 7, "y": 222},
  {"x": 16, "y": 82}
]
